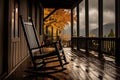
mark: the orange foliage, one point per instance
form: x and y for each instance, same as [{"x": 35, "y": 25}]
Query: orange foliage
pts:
[{"x": 58, "y": 19}]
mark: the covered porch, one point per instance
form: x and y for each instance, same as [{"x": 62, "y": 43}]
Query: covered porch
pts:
[{"x": 90, "y": 58}]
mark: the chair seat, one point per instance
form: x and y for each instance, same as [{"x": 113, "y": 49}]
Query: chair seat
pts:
[{"x": 44, "y": 55}]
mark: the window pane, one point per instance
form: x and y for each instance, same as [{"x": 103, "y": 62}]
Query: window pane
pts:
[
  {"x": 93, "y": 18},
  {"x": 82, "y": 18},
  {"x": 109, "y": 18}
]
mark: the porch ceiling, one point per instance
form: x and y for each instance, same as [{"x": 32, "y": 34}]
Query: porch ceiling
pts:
[{"x": 66, "y": 4}]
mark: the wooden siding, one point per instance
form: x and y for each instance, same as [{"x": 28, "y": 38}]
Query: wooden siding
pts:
[{"x": 17, "y": 45}]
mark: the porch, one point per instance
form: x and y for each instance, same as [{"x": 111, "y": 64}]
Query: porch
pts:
[{"x": 80, "y": 67}]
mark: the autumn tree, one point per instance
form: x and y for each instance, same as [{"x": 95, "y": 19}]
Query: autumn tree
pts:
[{"x": 58, "y": 19}]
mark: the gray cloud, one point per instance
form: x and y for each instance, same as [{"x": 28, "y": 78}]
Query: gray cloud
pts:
[
  {"x": 107, "y": 4},
  {"x": 108, "y": 13}
]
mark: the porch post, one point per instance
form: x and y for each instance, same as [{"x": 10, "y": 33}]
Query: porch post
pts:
[
  {"x": 46, "y": 28},
  {"x": 57, "y": 34},
  {"x": 87, "y": 24},
  {"x": 6, "y": 38},
  {"x": 78, "y": 20},
  {"x": 52, "y": 33},
  {"x": 71, "y": 28},
  {"x": 100, "y": 19},
  {"x": 117, "y": 30}
]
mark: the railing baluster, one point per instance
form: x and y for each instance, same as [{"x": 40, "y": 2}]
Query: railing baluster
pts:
[{"x": 108, "y": 44}]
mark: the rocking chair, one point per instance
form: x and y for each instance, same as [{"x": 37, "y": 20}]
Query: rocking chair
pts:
[{"x": 40, "y": 59}]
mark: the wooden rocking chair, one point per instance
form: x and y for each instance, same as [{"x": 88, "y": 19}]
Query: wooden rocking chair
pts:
[{"x": 38, "y": 58}]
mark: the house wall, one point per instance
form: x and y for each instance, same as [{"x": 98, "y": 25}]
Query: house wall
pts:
[
  {"x": 16, "y": 47},
  {"x": 33, "y": 12},
  {"x": 24, "y": 12},
  {"x": 38, "y": 18},
  {"x": 18, "y": 50}
]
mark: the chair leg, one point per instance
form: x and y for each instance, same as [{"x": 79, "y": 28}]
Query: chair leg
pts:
[
  {"x": 63, "y": 54},
  {"x": 60, "y": 60},
  {"x": 58, "y": 55}
]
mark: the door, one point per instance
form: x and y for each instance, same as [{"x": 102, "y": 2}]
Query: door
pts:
[{"x": 14, "y": 56}]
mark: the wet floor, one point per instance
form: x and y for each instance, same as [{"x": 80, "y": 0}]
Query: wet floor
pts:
[{"x": 80, "y": 67}]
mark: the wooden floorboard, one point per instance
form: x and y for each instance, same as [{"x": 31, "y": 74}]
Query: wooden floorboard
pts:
[{"x": 80, "y": 67}]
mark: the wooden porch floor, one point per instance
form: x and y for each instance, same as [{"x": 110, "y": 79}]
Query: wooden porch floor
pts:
[{"x": 80, "y": 67}]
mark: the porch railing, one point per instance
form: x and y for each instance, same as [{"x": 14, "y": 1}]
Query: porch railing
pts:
[
  {"x": 107, "y": 44},
  {"x": 65, "y": 43}
]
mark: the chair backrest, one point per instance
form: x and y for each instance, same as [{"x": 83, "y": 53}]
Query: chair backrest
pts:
[{"x": 30, "y": 34}]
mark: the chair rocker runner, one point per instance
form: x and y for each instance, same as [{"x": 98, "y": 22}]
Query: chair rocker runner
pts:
[{"x": 38, "y": 58}]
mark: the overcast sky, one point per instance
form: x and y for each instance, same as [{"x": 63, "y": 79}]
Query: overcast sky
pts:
[{"x": 108, "y": 14}]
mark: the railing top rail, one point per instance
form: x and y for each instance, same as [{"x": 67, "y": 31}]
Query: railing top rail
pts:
[{"x": 94, "y": 38}]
